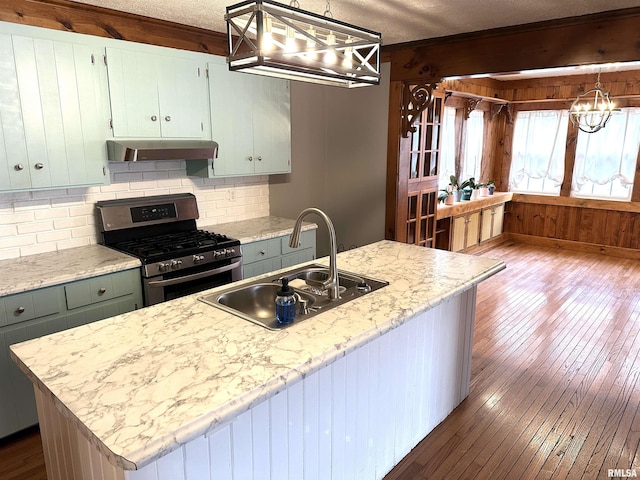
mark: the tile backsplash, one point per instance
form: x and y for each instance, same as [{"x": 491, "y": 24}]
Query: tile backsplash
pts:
[{"x": 49, "y": 220}]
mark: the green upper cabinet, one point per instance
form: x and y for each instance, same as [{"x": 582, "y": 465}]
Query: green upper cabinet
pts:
[
  {"x": 157, "y": 96},
  {"x": 250, "y": 120},
  {"x": 54, "y": 112}
]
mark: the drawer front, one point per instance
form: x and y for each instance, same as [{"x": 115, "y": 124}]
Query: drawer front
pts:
[
  {"x": 99, "y": 289},
  {"x": 262, "y": 250},
  {"x": 258, "y": 268},
  {"x": 30, "y": 305},
  {"x": 307, "y": 240},
  {"x": 298, "y": 257}
]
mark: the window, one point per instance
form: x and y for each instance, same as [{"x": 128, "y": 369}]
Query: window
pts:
[
  {"x": 606, "y": 160},
  {"x": 538, "y": 149},
  {"x": 471, "y": 152},
  {"x": 447, "y": 165}
]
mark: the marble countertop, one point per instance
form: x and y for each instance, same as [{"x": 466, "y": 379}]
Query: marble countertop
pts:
[
  {"x": 140, "y": 384},
  {"x": 53, "y": 268},
  {"x": 256, "y": 229}
]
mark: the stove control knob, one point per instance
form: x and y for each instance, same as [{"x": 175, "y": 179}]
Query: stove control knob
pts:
[
  {"x": 198, "y": 258},
  {"x": 176, "y": 264},
  {"x": 218, "y": 253},
  {"x": 163, "y": 267},
  {"x": 230, "y": 251}
]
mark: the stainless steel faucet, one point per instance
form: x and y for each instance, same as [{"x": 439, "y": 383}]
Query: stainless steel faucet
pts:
[{"x": 331, "y": 283}]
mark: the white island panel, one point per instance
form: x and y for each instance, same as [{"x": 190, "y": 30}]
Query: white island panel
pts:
[{"x": 354, "y": 419}]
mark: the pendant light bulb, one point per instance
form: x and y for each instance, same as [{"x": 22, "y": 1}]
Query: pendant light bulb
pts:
[
  {"x": 348, "y": 54},
  {"x": 290, "y": 40},
  {"x": 330, "y": 56},
  {"x": 267, "y": 36},
  {"x": 311, "y": 44}
]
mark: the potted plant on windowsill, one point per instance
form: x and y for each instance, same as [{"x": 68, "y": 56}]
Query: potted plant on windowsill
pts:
[
  {"x": 467, "y": 188},
  {"x": 483, "y": 189},
  {"x": 446, "y": 197},
  {"x": 454, "y": 188},
  {"x": 491, "y": 186}
]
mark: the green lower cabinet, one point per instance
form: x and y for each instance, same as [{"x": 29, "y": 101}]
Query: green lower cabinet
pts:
[
  {"x": 49, "y": 310},
  {"x": 265, "y": 256}
]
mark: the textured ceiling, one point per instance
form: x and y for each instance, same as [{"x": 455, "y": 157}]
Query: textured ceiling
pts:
[{"x": 398, "y": 21}]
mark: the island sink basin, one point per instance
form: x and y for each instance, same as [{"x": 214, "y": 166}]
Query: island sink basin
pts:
[{"x": 255, "y": 301}]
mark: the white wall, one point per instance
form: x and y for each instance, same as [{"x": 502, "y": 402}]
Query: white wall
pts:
[
  {"x": 338, "y": 160},
  {"x": 50, "y": 220}
]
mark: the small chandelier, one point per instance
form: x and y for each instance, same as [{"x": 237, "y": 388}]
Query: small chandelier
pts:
[
  {"x": 591, "y": 111},
  {"x": 277, "y": 40}
]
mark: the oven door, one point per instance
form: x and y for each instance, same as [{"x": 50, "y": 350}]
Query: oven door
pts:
[{"x": 192, "y": 280}]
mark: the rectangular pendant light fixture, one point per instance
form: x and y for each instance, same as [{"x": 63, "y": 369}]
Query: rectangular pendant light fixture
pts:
[{"x": 277, "y": 40}]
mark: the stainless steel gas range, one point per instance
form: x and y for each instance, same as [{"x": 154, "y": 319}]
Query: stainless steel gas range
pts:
[{"x": 177, "y": 258}]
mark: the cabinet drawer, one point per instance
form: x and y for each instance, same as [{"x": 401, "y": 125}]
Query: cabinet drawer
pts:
[
  {"x": 27, "y": 306},
  {"x": 262, "y": 250},
  {"x": 307, "y": 240},
  {"x": 99, "y": 289},
  {"x": 258, "y": 268}
]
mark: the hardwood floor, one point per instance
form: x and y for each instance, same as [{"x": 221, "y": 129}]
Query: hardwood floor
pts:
[
  {"x": 554, "y": 387},
  {"x": 21, "y": 456}
]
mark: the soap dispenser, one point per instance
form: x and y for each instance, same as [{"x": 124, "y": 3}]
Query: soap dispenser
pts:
[{"x": 285, "y": 303}]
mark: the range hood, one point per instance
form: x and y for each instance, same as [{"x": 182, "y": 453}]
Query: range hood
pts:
[{"x": 139, "y": 150}]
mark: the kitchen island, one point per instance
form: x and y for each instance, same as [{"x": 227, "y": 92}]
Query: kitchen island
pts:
[{"x": 183, "y": 390}]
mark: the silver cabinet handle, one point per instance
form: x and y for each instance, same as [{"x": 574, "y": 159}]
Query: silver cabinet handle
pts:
[
  {"x": 102, "y": 291},
  {"x": 39, "y": 166},
  {"x": 259, "y": 159},
  {"x": 167, "y": 118},
  {"x": 262, "y": 252},
  {"x": 19, "y": 310},
  {"x": 251, "y": 159},
  {"x": 19, "y": 167},
  {"x": 154, "y": 118}
]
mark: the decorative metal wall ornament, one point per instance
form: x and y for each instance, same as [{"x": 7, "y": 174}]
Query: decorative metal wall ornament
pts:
[
  {"x": 471, "y": 105},
  {"x": 415, "y": 101},
  {"x": 592, "y": 110},
  {"x": 277, "y": 40}
]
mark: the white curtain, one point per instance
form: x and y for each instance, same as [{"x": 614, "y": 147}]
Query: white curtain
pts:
[
  {"x": 539, "y": 143},
  {"x": 606, "y": 160},
  {"x": 472, "y": 159},
  {"x": 447, "y": 166}
]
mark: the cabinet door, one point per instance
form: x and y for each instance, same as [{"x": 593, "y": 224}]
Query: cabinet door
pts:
[
  {"x": 466, "y": 231},
  {"x": 231, "y": 120},
  {"x": 182, "y": 93},
  {"x": 250, "y": 120},
  {"x": 63, "y": 105},
  {"x": 133, "y": 90},
  {"x": 473, "y": 229},
  {"x": 492, "y": 219},
  {"x": 498, "y": 220},
  {"x": 459, "y": 234},
  {"x": 271, "y": 125},
  {"x": 17, "y": 403},
  {"x": 487, "y": 224},
  {"x": 13, "y": 144}
]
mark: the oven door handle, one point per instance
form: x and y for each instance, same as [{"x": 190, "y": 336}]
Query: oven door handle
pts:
[{"x": 195, "y": 276}]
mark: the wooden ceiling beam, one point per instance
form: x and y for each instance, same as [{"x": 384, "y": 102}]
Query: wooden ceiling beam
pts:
[
  {"x": 103, "y": 22},
  {"x": 590, "y": 39}
]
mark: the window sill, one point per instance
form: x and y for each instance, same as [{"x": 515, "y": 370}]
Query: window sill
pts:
[{"x": 615, "y": 205}]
